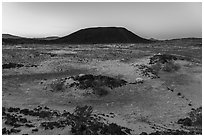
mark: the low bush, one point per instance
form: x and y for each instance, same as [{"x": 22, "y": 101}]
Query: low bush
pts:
[
  {"x": 170, "y": 66},
  {"x": 162, "y": 58},
  {"x": 57, "y": 85},
  {"x": 156, "y": 67},
  {"x": 100, "y": 91},
  {"x": 85, "y": 124},
  {"x": 196, "y": 116}
]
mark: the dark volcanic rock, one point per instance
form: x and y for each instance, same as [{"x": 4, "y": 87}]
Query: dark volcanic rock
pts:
[
  {"x": 102, "y": 35},
  {"x": 98, "y": 35}
]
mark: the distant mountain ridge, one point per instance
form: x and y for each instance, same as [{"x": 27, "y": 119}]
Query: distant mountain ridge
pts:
[
  {"x": 97, "y": 35},
  {"x": 51, "y": 38},
  {"x": 9, "y": 36}
]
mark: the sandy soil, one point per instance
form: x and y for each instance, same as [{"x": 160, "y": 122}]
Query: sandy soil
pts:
[{"x": 148, "y": 107}]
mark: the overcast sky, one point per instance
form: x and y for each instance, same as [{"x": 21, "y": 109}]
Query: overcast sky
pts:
[{"x": 148, "y": 20}]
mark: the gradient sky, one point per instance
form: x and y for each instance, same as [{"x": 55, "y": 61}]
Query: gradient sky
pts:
[{"x": 148, "y": 20}]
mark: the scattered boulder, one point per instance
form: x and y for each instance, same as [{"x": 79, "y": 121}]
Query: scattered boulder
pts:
[
  {"x": 138, "y": 81},
  {"x": 80, "y": 75},
  {"x": 172, "y": 90},
  {"x": 179, "y": 94},
  {"x": 46, "y": 107},
  {"x": 69, "y": 81},
  {"x": 35, "y": 130}
]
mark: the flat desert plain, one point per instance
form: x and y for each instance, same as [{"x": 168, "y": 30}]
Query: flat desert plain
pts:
[{"x": 153, "y": 88}]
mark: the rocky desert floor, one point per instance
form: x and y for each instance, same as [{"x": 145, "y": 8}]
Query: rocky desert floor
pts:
[{"x": 102, "y": 89}]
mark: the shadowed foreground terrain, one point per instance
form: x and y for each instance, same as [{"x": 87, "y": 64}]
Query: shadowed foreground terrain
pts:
[{"x": 153, "y": 88}]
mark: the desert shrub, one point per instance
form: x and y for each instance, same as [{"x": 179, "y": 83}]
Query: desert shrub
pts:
[
  {"x": 148, "y": 71},
  {"x": 83, "y": 112},
  {"x": 57, "y": 85},
  {"x": 82, "y": 117},
  {"x": 156, "y": 67},
  {"x": 194, "y": 119},
  {"x": 170, "y": 67},
  {"x": 85, "y": 124},
  {"x": 162, "y": 58},
  {"x": 113, "y": 129},
  {"x": 92, "y": 81},
  {"x": 186, "y": 121},
  {"x": 100, "y": 91},
  {"x": 143, "y": 119},
  {"x": 196, "y": 116}
]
